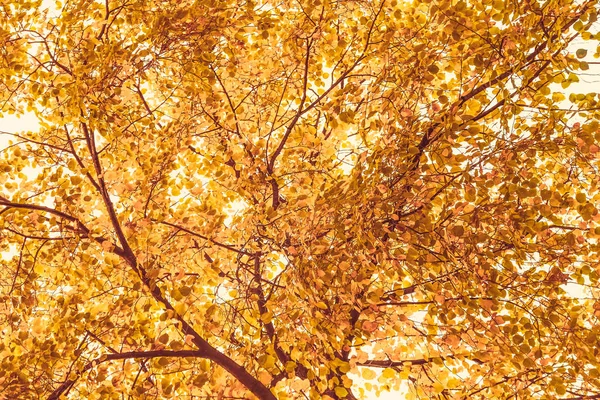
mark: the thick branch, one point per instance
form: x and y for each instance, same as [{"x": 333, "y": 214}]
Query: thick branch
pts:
[
  {"x": 9, "y": 204},
  {"x": 89, "y": 137}
]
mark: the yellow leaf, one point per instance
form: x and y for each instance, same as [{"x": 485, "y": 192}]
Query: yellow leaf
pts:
[
  {"x": 439, "y": 298},
  {"x": 341, "y": 391},
  {"x": 267, "y": 361},
  {"x": 290, "y": 366},
  {"x": 388, "y": 373},
  {"x": 368, "y": 373},
  {"x": 37, "y": 326},
  {"x": 266, "y": 317},
  {"x": 180, "y": 308}
]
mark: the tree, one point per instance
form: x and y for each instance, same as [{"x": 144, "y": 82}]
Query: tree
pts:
[{"x": 273, "y": 200}]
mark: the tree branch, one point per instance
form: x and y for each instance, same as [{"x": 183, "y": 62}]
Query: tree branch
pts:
[
  {"x": 223, "y": 245},
  {"x": 89, "y": 137},
  {"x": 66, "y": 385},
  {"x": 418, "y": 361}
]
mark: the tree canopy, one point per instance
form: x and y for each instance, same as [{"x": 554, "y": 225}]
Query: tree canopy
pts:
[{"x": 299, "y": 199}]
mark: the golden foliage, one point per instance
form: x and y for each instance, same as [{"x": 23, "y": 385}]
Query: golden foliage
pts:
[{"x": 299, "y": 199}]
